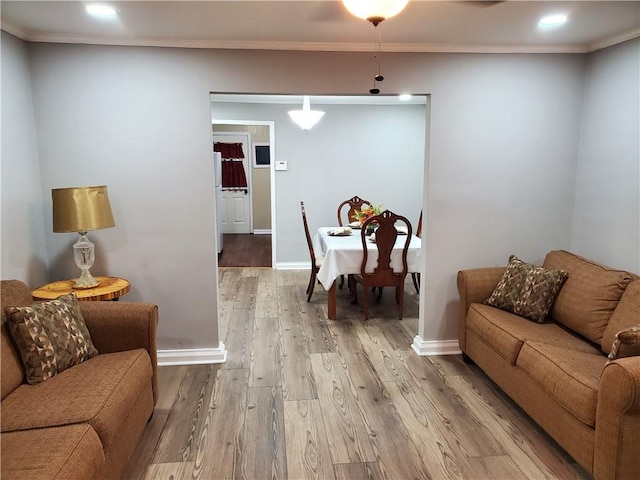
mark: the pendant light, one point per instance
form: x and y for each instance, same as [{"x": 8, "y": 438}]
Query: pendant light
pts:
[
  {"x": 306, "y": 118},
  {"x": 375, "y": 11}
]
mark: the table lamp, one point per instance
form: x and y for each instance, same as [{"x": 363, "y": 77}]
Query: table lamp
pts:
[{"x": 82, "y": 209}]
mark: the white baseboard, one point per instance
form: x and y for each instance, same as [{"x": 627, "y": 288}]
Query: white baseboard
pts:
[
  {"x": 262, "y": 231},
  {"x": 293, "y": 265},
  {"x": 192, "y": 356},
  {"x": 435, "y": 347}
]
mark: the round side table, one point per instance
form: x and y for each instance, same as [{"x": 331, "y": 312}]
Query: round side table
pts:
[{"x": 109, "y": 288}]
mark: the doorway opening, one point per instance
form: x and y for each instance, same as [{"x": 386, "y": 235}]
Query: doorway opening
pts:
[{"x": 244, "y": 208}]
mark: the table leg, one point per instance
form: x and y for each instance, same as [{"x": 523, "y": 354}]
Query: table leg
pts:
[{"x": 331, "y": 302}]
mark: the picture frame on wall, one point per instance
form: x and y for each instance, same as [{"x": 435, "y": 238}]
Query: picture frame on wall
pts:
[{"x": 261, "y": 155}]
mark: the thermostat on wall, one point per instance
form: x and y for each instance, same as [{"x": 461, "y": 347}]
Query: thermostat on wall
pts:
[{"x": 281, "y": 164}]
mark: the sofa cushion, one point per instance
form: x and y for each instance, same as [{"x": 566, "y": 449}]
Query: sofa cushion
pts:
[
  {"x": 51, "y": 336},
  {"x": 589, "y": 296},
  {"x": 569, "y": 376},
  {"x": 625, "y": 315},
  {"x": 12, "y": 292},
  {"x": 506, "y": 332},
  {"x": 626, "y": 344},
  {"x": 95, "y": 392},
  {"x": 527, "y": 290},
  {"x": 73, "y": 452}
]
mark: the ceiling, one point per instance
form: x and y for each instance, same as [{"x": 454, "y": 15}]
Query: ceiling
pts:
[{"x": 324, "y": 25}]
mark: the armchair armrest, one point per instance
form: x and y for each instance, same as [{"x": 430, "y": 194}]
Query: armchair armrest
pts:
[
  {"x": 474, "y": 286},
  {"x": 120, "y": 326},
  {"x": 617, "y": 440}
]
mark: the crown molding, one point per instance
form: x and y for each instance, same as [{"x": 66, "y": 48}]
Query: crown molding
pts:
[
  {"x": 320, "y": 46},
  {"x": 614, "y": 40}
]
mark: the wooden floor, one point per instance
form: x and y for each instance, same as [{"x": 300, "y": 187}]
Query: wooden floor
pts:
[
  {"x": 245, "y": 250},
  {"x": 303, "y": 397}
]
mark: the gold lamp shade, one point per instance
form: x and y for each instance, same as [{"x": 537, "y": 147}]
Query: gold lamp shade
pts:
[{"x": 81, "y": 209}]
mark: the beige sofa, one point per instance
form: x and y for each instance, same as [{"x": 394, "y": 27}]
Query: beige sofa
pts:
[
  {"x": 85, "y": 422},
  {"x": 558, "y": 371}
]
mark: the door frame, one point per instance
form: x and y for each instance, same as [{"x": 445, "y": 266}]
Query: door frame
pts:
[
  {"x": 272, "y": 177},
  {"x": 249, "y": 171}
]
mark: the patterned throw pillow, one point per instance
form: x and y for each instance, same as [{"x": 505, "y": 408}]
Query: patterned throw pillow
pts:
[
  {"x": 626, "y": 344},
  {"x": 527, "y": 290},
  {"x": 50, "y": 336}
]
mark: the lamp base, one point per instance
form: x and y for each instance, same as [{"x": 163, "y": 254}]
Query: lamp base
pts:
[{"x": 86, "y": 280}]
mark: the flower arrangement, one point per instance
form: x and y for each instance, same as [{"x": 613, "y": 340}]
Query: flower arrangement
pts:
[{"x": 367, "y": 212}]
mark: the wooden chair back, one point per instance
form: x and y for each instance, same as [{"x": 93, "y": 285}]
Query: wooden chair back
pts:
[
  {"x": 419, "y": 229},
  {"x": 308, "y": 235},
  {"x": 355, "y": 205},
  {"x": 385, "y": 238}
]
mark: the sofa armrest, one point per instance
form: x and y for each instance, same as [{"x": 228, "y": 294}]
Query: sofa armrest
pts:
[
  {"x": 119, "y": 326},
  {"x": 474, "y": 286},
  {"x": 617, "y": 440}
]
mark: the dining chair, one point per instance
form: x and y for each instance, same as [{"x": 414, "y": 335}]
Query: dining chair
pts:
[
  {"x": 316, "y": 262},
  {"x": 383, "y": 275},
  {"x": 415, "y": 276},
  {"x": 355, "y": 205}
]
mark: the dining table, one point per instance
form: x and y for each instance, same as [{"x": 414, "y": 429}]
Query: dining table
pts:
[{"x": 343, "y": 255}]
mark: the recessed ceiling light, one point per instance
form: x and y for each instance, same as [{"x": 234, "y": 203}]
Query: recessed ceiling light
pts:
[
  {"x": 552, "y": 21},
  {"x": 101, "y": 10},
  {"x": 405, "y": 97}
]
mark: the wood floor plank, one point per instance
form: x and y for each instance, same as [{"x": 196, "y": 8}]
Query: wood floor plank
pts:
[
  {"x": 237, "y": 340},
  {"x": 264, "y": 360},
  {"x": 228, "y": 284},
  {"x": 394, "y": 332},
  {"x": 296, "y": 377},
  {"x": 316, "y": 328},
  {"x": 346, "y": 342},
  {"x": 146, "y": 448},
  {"x": 177, "y": 443},
  {"x": 246, "y": 293},
  {"x": 431, "y": 440},
  {"x": 427, "y": 383},
  {"x": 288, "y": 304},
  {"x": 494, "y": 467},
  {"x": 307, "y": 446},
  {"x": 264, "y": 454},
  {"x": 377, "y": 352},
  {"x": 358, "y": 471},
  {"x": 502, "y": 429},
  {"x": 266, "y": 298},
  {"x": 348, "y": 435},
  {"x": 398, "y": 456},
  {"x": 547, "y": 450},
  {"x": 220, "y": 445},
  {"x": 245, "y": 250},
  {"x": 170, "y": 378},
  {"x": 169, "y": 471}
]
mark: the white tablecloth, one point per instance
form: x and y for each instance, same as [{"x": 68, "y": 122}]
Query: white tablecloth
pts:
[{"x": 343, "y": 254}]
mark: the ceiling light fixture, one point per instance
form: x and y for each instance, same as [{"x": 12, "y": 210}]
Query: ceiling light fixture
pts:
[
  {"x": 552, "y": 21},
  {"x": 101, "y": 10},
  {"x": 306, "y": 118},
  {"x": 375, "y": 11},
  {"x": 404, "y": 97}
]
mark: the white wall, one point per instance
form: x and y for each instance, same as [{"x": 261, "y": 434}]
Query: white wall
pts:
[
  {"x": 502, "y": 159},
  {"x": 374, "y": 151},
  {"x": 24, "y": 255},
  {"x": 606, "y": 220}
]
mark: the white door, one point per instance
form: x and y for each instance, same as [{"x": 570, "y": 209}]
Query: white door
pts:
[{"x": 235, "y": 208}]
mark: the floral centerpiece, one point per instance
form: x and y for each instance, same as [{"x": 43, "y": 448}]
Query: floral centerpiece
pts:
[{"x": 366, "y": 212}]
